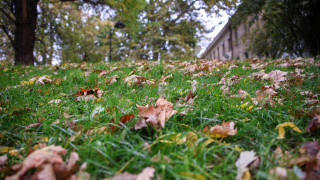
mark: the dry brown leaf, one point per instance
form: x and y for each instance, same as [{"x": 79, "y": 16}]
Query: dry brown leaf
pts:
[
  {"x": 3, "y": 161},
  {"x": 245, "y": 159},
  {"x": 312, "y": 150},
  {"x": 50, "y": 154},
  {"x": 48, "y": 164},
  {"x": 34, "y": 125},
  {"x": 88, "y": 94},
  {"x": 279, "y": 173},
  {"x": 155, "y": 116},
  {"x": 135, "y": 80},
  {"x": 221, "y": 131},
  {"x": 103, "y": 73},
  {"x": 314, "y": 125},
  {"x": 54, "y": 101},
  {"x": 45, "y": 173},
  {"x": 146, "y": 174},
  {"x": 243, "y": 94},
  {"x": 265, "y": 96},
  {"x": 194, "y": 86},
  {"x": 112, "y": 79},
  {"x": 277, "y": 76},
  {"x": 164, "y": 78}
]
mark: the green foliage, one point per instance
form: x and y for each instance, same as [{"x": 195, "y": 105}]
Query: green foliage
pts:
[
  {"x": 169, "y": 29},
  {"x": 289, "y": 26}
]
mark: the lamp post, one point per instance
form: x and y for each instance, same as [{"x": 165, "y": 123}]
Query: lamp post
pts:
[{"x": 119, "y": 25}]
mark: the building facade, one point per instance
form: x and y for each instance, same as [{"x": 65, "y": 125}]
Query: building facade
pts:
[{"x": 228, "y": 45}]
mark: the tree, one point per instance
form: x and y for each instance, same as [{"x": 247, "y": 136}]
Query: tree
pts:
[
  {"x": 23, "y": 14},
  {"x": 290, "y": 26},
  {"x": 171, "y": 29}
]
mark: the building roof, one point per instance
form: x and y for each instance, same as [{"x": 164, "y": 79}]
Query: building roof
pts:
[{"x": 216, "y": 38}]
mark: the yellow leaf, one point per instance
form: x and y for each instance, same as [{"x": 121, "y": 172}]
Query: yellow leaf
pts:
[
  {"x": 178, "y": 140},
  {"x": 5, "y": 149},
  {"x": 2, "y": 135},
  {"x": 249, "y": 108},
  {"x": 45, "y": 139},
  {"x": 14, "y": 152},
  {"x": 246, "y": 175},
  {"x": 192, "y": 138},
  {"x": 238, "y": 148},
  {"x": 192, "y": 175},
  {"x": 281, "y": 130}
]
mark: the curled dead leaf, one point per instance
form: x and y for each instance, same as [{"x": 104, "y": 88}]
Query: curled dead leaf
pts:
[
  {"x": 155, "y": 116},
  {"x": 246, "y": 158},
  {"x": 314, "y": 125},
  {"x": 48, "y": 164},
  {"x": 221, "y": 131}
]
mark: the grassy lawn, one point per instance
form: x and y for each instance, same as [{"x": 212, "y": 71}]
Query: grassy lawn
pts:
[{"x": 62, "y": 112}]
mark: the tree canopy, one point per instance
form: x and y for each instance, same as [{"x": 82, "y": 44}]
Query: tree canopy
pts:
[
  {"x": 75, "y": 31},
  {"x": 289, "y": 26}
]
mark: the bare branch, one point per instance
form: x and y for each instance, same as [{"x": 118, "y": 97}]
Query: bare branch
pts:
[
  {"x": 5, "y": 29},
  {"x": 7, "y": 15}
]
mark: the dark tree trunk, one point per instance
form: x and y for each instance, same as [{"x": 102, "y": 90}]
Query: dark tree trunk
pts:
[{"x": 26, "y": 22}]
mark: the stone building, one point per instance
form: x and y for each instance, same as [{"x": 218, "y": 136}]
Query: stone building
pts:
[{"x": 227, "y": 44}]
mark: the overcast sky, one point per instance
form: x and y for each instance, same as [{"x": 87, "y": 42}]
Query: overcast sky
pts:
[{"x": 219, "y": 22}]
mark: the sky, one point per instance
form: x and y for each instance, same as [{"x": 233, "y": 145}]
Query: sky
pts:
[{"x": 219, "y": 22}]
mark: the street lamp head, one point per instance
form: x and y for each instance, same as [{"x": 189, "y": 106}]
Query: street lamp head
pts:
[{"x": 119, "y": 25}]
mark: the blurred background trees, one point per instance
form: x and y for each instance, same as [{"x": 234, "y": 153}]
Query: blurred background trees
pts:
[
  {"x": 288, "y": 26},
  {"x": 78, "y": 30}
]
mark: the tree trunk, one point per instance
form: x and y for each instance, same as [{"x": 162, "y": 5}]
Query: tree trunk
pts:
[{"x": 26, "y": 23}]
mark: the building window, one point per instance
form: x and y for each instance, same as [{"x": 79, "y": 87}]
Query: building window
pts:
[
  {"x": 229, "y": 44},
  {"x": 246, "y": 55},
  {"x": 223, "y": 50},
  {"x": 218, "y": 53},
  {"x": 214, "y": 54},
  {"x": 236, "y": 36}
]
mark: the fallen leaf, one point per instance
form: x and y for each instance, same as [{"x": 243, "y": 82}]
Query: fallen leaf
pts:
[
  {"x": 155, "y": 116},
  {"x": 265, "y": 95},
  {"x": 277, "y": 76},
  {"x": 112, "y": 79},
  {"x": 96, "y": 110},
  {"x": 313, "y": 125},
  {"x": 43, "y": 80},
  {"x": 146, "y": 174},
  {"x": 245, "y": 159},
  {"x": 221, "y": 131},
  {"x": 135, "y": 80},
  {"x": 192, "y": 139},
  {"x": 88, "y": 94},
  {"x": 50, "y": 154},
  {"x": 5, "y": 149},
  {"x": 278, "y": 173},
  {"x": 33, "y": 125},
  {"x": 281, "y": 130},
  {"x": 194, "y": 85},
  {"x": 55, "y": 101},
  {"x": 243, "y": 94},
  {"x": 123, "y": 120},
  {"x": 191, "y": 175},
  {"x": 161, "y": 158},
  {"x": 312, "y": 150},
  {"x": 48, "y": 164},
  {"x": 3, "y": 160}
]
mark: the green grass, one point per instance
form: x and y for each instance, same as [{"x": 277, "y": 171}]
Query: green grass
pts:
[{"x": 106, "y": 153}]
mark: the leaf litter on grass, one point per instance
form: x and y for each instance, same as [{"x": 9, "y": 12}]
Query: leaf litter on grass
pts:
[{"x": 267, "y": 96}]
